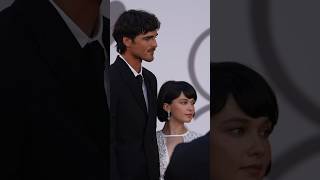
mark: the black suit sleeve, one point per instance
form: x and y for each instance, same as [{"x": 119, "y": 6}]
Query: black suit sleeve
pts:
[
  {"x": 190, "y": 161},
  {"x": 171, "y": 173}
]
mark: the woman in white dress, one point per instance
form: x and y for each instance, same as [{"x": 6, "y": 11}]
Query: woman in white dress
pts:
[{"x": 176, "y": 101}]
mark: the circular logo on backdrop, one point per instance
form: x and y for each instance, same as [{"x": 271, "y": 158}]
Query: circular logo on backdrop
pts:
[
  {"x": 192, "y": 71},
  {"x": 270, "y": 58}
]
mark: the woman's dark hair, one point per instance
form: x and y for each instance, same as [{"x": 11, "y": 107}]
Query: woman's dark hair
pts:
[
  {"x": 171, "y": 90},
  {"x": 131, "y": 23},
  {"x": 249, "y": 89}
]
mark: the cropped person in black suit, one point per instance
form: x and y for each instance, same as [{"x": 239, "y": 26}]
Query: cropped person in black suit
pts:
[
  {"x": 134, "y": 152},
  {"x": 54, "y": 108},
  {"x": 190, "y": 161}
]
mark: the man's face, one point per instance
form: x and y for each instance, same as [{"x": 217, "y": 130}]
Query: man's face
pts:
[
  {"x": 143, "y": 46},
  {"x": 240, "y": 145}
]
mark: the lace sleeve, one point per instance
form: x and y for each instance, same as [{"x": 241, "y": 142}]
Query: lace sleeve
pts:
[
  {"x": 163, "y": 155},
  {"x": 191, "y": 136}
]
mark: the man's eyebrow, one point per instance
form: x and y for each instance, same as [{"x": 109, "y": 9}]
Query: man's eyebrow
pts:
[
  {"x": 236, "y": 120},
  {"x": 150, "y": 36}
]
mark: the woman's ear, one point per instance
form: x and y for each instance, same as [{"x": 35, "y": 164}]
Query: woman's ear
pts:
[{"x": 166, "y": 107}]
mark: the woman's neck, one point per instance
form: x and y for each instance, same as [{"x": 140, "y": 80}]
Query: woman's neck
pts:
[{"x": 174, "y": 128}]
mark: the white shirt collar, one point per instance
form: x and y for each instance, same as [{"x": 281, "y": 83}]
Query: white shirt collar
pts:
[
  {"x": 81, "y": 37},
  {"x": 135, "y": 73}
]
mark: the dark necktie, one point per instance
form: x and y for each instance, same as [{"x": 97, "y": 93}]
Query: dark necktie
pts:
[
  {"x": 139, "y": 80},
  {"x": 95, "y": 67},
  {"x": 101, "y": 64},
  {"x": 96, "y": 58},
  {"x": 94, "y": 94}
]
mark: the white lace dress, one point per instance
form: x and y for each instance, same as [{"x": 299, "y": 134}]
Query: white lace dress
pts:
[{"x": 163, "y": 150}]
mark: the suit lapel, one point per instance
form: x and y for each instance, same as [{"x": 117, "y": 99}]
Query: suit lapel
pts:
[
  {"x": 106, "y": 38},
  {"x": 106, "y": 43},
  {"x": 56, "y": 43},
  {"x": 59, "y": 49},
  {"x": 130, "y": 81}
]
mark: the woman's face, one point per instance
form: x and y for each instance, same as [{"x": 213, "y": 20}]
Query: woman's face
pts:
[
  {"x": 181, "y": 108},
  {"x": 240, "y": 145}
]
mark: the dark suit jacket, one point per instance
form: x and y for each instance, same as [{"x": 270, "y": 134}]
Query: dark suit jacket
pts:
[
  {"x": 190, "y": 161},
  {"x": 56, "y": 119},
  {"x": 133, "y": 144}
]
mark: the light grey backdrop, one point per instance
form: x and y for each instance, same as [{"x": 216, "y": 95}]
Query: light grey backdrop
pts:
[
  {"x": 5, "y": 3},
  {"x": 184, "y": 46},
  {"x": 183, "y": 51},
  {"x": 280, "y": 39}
]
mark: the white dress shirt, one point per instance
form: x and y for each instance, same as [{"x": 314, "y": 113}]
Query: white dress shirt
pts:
[{"x": 135, "y": 73}]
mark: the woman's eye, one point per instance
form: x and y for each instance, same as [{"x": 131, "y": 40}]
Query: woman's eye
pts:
[
  {"x": 266, "y": 132},
  {"x": 184, "y": 102}
]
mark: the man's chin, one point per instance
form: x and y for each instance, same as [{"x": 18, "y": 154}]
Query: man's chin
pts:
[{"x": 148, "y": 59}]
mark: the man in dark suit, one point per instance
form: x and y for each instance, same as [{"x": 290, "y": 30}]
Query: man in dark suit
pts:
[
  {"x": 190, "y": 161},
  {"x": 54, "y": 108},
  {"x": 134, "y": 151}
]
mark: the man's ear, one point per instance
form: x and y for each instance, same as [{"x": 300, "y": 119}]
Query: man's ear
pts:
[{"x": 127, "y": 41}]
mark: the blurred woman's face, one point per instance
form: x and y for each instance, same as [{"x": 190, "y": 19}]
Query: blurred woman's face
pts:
[
  {"x": 182, "y": 109},
  {"x": 240, "y": 149}
]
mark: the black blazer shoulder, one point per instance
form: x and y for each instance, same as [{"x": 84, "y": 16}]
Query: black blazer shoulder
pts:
[{"x": 190, "y": 161}]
